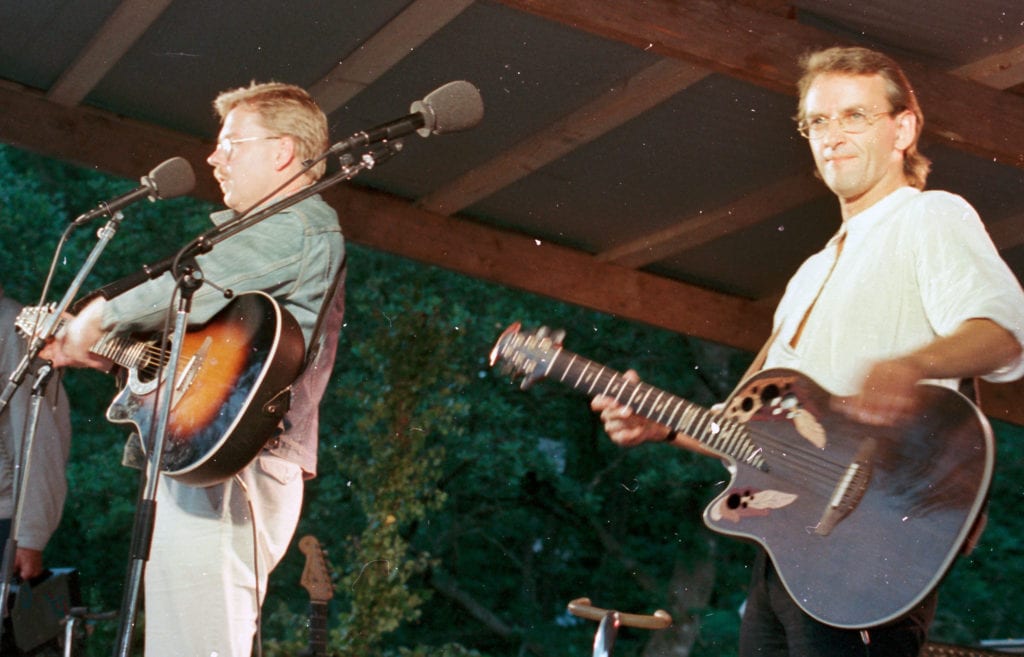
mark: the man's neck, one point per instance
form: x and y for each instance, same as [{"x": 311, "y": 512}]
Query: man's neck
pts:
[{"x": 851, "y": 207}]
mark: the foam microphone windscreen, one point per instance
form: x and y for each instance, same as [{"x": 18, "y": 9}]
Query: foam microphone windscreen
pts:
[
  {"x": 450, "y": 108},
  {"x": 172, "y": 178}
]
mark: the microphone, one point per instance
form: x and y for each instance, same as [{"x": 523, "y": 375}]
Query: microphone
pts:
[
  {"x": 168, "y": 179},
  {"x": 451, "y": 107}
]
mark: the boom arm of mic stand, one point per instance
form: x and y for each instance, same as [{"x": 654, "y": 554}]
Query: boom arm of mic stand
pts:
[
  {"x": 376, "y": 154},
  {"x": 205, "y": 242}
]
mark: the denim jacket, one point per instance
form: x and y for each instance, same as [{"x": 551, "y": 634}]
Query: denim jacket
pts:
[{"x": 293, "y": 256}]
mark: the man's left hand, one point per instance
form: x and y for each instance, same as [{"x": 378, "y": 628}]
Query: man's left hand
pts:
[{"x": 28, "y": 563}]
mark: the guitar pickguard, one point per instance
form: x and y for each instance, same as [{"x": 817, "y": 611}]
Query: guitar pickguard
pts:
[
  {"x": 777, "y": 398},
  {"x": 739, "y": 503}
]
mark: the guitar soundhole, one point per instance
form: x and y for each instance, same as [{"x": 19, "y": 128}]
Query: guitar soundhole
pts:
[
  {"x": 738, "y": 500},
  {"x": 770, "y": 392}
]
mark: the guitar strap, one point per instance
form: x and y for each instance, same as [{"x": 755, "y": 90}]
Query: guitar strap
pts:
[{"x": 315, "y": 341}]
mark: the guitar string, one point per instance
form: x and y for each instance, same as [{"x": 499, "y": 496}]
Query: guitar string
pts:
[
  {"x": 814, "y": 465},
  {"x": 804, "y": 464},
  {"x": 819, "y": 474}
]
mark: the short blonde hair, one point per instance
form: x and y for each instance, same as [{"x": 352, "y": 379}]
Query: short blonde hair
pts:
[
  {"x": 284, "y": 109},
  {"x": 862, "y": 61}
]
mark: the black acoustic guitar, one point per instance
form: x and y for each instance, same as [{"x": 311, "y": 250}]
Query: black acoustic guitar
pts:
[
  {"x": 230, "y": 390},
  {"x": 861, "y": 522},
  {"x": 316, "y": 579}
]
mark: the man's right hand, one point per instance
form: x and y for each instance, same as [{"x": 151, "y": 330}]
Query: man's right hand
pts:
[{"x": 70, "y": 347}]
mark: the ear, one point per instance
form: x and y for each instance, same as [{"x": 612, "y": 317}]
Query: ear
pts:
[
  {"x": 906, "y": 129},
  {"x": 284, "y": 156}
]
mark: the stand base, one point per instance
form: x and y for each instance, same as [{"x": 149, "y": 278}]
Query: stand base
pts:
[{"x": 37, "y": 613}]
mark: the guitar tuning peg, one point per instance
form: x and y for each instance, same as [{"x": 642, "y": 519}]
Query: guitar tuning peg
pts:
[{"x": 558, "y": 336}]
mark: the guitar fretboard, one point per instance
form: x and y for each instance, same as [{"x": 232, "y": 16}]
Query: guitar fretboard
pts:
[
  {"x": 317, "y": 629},
  {"x": 721, "y": 435}
]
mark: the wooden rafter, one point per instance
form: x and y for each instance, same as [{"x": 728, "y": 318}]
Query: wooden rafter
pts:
[
  {"x": 642, "y": 91},
  {"x": 128, "y": 22},
  {"x": 383, "y": 50},
  {"x": 764, "y": 49}
]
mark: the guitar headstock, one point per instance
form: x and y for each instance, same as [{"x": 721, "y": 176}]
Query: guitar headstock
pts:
[
  {"x": 527, "y": 354},
  {"x": 31, "y": 319},
  {"x": 316, "y": 579}
]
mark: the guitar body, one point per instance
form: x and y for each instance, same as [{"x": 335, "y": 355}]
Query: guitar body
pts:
[
  {"x": 861, "y": 522},
  {"x": 231, "y": 390},
  {"x": 913, "y": 497}
]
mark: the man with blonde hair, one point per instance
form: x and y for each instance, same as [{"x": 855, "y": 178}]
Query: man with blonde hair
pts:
[
  {"x": 910, "y": 288},
  {"x": 206, "y": 576}
]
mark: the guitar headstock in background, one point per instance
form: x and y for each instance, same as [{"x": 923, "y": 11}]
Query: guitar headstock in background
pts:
[{"x": 316, "y": 578}]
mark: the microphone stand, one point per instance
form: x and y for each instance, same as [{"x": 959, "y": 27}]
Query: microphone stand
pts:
[
  {"x": 36, "y": 344},
  {"x": 105, "y": 234},
  {"x": 192, "y": 280},
  {"x": 22, "y": 470},
  {"x": 145, "y": 513}
]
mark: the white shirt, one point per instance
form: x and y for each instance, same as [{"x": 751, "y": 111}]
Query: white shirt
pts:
[{"x": 912, "y": 267}]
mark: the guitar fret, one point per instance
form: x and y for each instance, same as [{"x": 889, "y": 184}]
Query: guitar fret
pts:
[
  {"x": 600, "y": 375},
  {"x": 568, "y": 368},
  {"x": 608, "y": 388},
  {"x": 679, "y": 404},
  {"x": 594, "y": 379},
  {"x": 643, "y": 401},
  {"x": 632, "y": 395},
  {"x": 583, "y": 373},
  {"x": 729, "y": 435},
  {"x": 702, "y": 419},
  {"x": 689, "y": 414},
  {"x": 657, "y": 407}
]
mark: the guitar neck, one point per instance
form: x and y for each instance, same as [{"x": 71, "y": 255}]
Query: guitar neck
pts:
[
  {"x": 123, "y": 350},
  {"x": 128, "y": 352},
  {"x": 720, "y": 435},
  {"x": 317, "y": 629}
]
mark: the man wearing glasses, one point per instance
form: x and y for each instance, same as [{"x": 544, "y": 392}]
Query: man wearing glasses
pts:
[
  {"x": 214, "y": 547},
  {"x": 910, "y": 288}
]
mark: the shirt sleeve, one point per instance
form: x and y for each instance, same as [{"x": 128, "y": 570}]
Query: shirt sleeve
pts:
[
  {"x": 264, "y": 257},
  {"x": 45, "y": 484},
  {"x": 962, "y": 276}
]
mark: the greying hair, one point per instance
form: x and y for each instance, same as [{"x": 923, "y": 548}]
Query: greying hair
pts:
[{"x": 285, "y": 110}]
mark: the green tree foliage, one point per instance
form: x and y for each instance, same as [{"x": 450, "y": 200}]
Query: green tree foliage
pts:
[{"x": 460, "y": 514}]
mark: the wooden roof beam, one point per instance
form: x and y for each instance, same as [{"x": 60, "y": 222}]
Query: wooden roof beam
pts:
[
  {"x": 119, "y": 33},
  {"x": 625, "y": 101},
  {"x": 764, "y": 49},
  {"x": 392, "y": 43}
]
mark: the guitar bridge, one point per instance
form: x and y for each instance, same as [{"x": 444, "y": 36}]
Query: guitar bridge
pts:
[
  {"x": 191, "y": 370},
  {"x": 849, "y": 491}
]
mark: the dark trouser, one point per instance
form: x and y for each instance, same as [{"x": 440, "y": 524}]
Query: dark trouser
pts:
[{"x": 774, "y": 626}]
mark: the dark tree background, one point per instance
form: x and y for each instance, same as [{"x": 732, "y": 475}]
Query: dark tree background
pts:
[{"x": 459, "y": 513}]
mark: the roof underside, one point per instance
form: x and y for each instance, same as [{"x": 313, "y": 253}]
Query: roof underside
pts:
[{"x": 634, "y": 157}]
